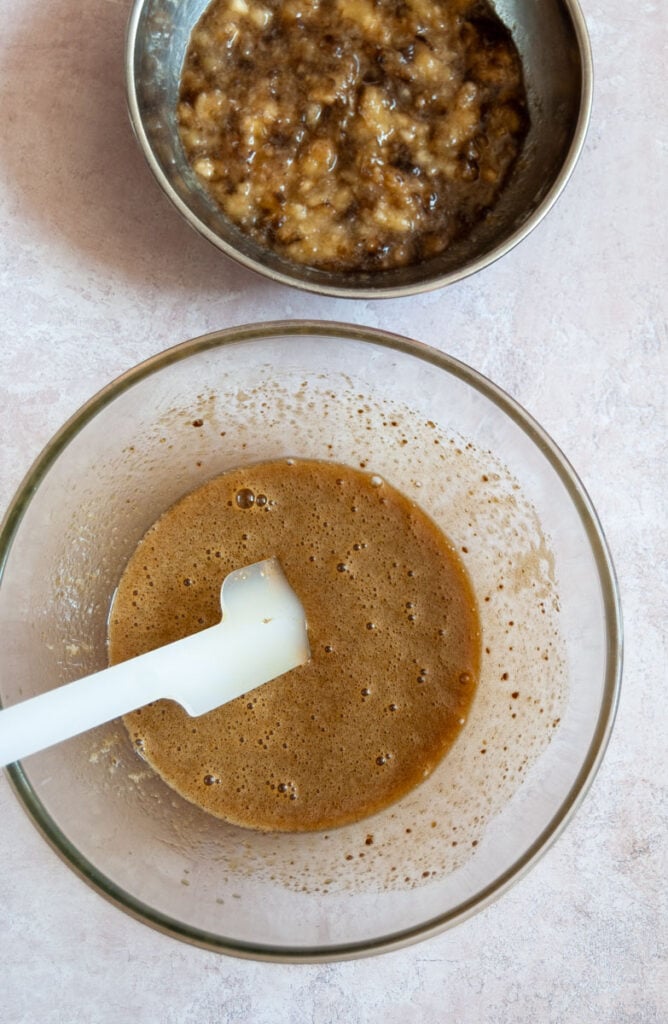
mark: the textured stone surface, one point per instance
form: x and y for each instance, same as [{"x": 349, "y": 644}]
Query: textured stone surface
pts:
[{"x": 97, "y": 272}]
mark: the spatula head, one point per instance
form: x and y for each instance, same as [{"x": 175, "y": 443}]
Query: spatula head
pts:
[{"x": 262, "y": 635}]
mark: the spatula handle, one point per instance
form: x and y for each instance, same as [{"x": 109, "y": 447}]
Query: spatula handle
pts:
[
  {"x": 67, "y": 711},
  {"x": 263, "y": 634}
]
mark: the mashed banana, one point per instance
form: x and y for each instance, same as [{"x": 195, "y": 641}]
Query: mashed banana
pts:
[{"x": 352, "y": 134}]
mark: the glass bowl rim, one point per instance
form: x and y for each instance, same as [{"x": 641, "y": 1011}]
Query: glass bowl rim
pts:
[{"x": 248, "y": 334}]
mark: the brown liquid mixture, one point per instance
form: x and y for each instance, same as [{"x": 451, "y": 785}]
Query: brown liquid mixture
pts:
[{"x": 393, "y": 629}]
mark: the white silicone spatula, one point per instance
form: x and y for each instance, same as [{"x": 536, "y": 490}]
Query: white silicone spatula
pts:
[{"x": 262, "y": 635}]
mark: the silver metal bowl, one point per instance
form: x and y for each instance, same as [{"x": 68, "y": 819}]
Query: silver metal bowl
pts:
[{"x": 552, "y": 40}]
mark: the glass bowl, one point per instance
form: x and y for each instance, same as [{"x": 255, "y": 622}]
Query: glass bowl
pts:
[
  {"x": 500, "y": 489},
  {"x": 551, "y": 38}
]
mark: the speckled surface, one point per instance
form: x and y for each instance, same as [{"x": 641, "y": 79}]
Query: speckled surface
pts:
[{"x": 97, "y": 272}]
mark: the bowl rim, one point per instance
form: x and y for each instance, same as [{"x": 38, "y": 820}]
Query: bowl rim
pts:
[
  {"x": 579, "y": 24},
  {"x": 248, "y": 334}
]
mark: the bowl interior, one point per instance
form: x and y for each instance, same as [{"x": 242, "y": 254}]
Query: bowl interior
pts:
[
  {"x": 538, "y": 563},
  {"x": 552, "y": 41}
]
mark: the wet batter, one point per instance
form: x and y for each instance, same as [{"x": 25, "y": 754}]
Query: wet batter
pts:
[{"x": 393, "y": 629}]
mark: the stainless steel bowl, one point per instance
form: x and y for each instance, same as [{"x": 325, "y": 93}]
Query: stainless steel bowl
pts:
[{"x": 552, "y": 40}]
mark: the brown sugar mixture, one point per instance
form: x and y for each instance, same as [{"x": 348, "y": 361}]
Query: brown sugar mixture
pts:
[
  {"x": 353, "y": 134},
  {"x": 393, "y": 629}
]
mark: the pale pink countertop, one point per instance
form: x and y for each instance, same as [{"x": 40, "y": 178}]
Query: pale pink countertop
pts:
[{"x": 98, "y": 272}]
